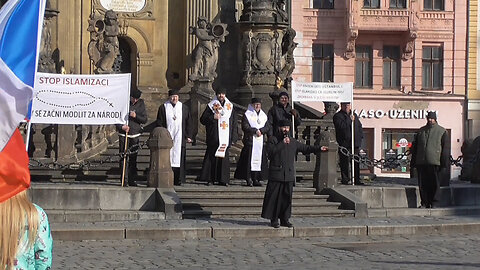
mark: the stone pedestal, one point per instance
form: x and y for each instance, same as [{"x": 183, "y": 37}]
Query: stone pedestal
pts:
[
  {"x": 325, "y": 174},
  {"x": 201, "y": 93},
  {"x": 161, "y": 174}
]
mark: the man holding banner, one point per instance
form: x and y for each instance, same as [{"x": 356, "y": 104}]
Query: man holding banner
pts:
[
  {"x": 252, "y": 165},
  {"x": 343, "y": 130},
  {"x": 175, "y": 117},
  {"x": 137, "y": 117},
  {"x": 220, "y": 122}
]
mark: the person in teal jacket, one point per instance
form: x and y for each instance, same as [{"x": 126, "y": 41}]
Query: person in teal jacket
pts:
[
  {"x": 430, "y": 155},
  {"x": 32, "y": 250}
]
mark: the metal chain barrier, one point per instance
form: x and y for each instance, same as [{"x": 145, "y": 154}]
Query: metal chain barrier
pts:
[
  {"x": 394, "y": 162},
  {"x": 391, "y": 162},
  {"x": 87, "y": 164}
]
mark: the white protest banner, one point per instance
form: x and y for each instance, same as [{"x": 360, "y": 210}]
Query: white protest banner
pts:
[
  {"x": 317, "y": 91},
  {"x": 81, "y": 99}
]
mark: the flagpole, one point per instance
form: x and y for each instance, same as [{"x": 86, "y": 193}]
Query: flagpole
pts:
[
  {"x": 293, "y": 116},
  {"x": 353, "y": 139},
  {"x": 29, "y": 128},
  {"x": 124, "y": 158}
]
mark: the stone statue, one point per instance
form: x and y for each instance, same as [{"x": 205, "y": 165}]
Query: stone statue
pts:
[
  {"x": 104, "y": 47},
  {"x": 205, "y": 54},
  {"x": 279, "y": 6},
  {"x": 288, "y": 46}
]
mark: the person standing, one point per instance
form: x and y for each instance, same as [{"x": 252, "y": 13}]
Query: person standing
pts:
[
  {"x": 282, "y": 111},
  {"x": 175, "y": 117},
  {"x": 281, "y": 149},
  {"x": 220, "y": 122},
  {"x": 342, "y": 121},
  {"x": 252, "y": 165},
  {"x": 430, "y": 154},
  {"x": 136, "y": 118}
]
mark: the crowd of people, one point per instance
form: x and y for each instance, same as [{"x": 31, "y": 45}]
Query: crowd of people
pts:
[{"x": 267, "y": 137}]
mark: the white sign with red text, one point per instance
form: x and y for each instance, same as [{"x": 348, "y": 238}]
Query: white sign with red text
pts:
[{"x": 81, "y": 99}]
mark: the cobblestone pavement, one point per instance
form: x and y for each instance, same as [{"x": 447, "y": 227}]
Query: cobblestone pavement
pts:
[{"x": 400, "y": 252}]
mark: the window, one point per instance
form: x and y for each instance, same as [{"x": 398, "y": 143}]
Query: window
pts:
[
  {"x": 363, "y": 66},
  {"x": 433, "y": 5},
  {"x": 371, "y": 3},
  {"x": 432, "y": 68},
  {"x": 394, "y": 143},
  {"x": 322, "y": 62},
  {"x": 323, "y": 4},
  {"x": 391, "y": 67},
  {"x": 398, "y": 3}
]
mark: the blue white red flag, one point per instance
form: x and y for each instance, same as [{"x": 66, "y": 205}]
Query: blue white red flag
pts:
[{"x": 20, "y": 33}]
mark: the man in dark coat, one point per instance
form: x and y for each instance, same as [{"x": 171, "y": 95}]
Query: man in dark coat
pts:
[
  {"x": 281, "y": 150},
  {"x": 175, "y": 117},
  {"x": 137, "y": 117},
  {"x": 282, "y": 111},
  {"x": 220, "y": 122},
  {"x": 430, "y": 154},
  {"x": 252, "y": 165},
  {"x": 343, "y": 130}
]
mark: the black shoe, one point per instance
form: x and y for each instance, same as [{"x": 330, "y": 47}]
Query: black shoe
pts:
[
  {"x": 209, "y": 183},
  {"x": 274, "y": 224},
  {"x": 257, "y": 183},
  {"x": 223, "y": 184},
  {"x": 286, "y": 223},
  {"x": 249, "y": 183},
  {"x": 132, "y": 184},
  {"x": 359, "y": 183},
  {"x": 345, "y": 183}
]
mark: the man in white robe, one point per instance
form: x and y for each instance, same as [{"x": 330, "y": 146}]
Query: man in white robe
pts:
[
  {"x": 175, "y": 117},
  {"x": 252, "y": 165}
]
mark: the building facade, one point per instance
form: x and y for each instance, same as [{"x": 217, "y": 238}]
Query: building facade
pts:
[
  {"x": 473, "y": 75},
  {"x": 404, "y": 57}
]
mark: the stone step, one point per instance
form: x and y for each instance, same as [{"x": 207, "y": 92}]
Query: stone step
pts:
[
  {"x": 60, "y": 216},
  {"x": 431, "y": 212},
  {"x": 256, "y": 213},
  {"x": 248, "y": 196},
  {"x": 253, "y": 204},
  {"x": 211, "y": 191}
]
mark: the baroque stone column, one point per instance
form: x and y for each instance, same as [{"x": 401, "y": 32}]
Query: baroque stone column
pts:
[{"x": 266, "y": 50}]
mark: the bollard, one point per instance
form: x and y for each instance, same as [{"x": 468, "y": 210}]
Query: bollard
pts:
[{"x": 161, "y": 174}]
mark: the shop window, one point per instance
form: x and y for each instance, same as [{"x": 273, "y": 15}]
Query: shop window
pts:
[
  {"x": 363, "y": 67},
  {"x": 394, "y": 143},
  {"x": 398, "y": 3},
  {"x": 432, "y": 68},
  {"x": 323, "y": 4},
  {"x": 391, "y": 67},
  {"x": 436, "y": 5},
  {"x": 371, "y": 3},
  {"x": 322, "y": 63}
]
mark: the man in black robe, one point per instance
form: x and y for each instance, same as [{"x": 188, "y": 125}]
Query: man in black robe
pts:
[
  {"x": 281, "y": 149},
  {"x": 255, "y": 127},
  {"x": 175, "y": 117},
  {"x": 136, "y": 118},
  {"x": 282, "y": 111},
  {"x": 343, "y": 130},
  {"x": 220, "y": 122}
]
